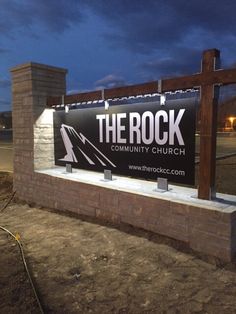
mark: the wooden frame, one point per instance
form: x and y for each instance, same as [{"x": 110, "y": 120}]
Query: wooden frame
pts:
[{"x": 208, "y": 81}]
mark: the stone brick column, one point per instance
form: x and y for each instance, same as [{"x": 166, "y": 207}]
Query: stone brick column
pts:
[{"x": 32, "y": 122}]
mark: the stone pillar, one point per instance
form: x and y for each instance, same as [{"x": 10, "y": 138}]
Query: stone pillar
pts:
[{"x": 32, "y": 122}]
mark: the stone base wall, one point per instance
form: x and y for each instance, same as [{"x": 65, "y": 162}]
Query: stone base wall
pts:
[{"x": 205, "y": 230}]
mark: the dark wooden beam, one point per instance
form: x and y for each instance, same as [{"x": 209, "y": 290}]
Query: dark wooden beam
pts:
[
  {"x": 220, "y": 77},
  {"x": 132, "y": 90},
  {"x": 208, "y": 123},
  {"x": 70, "y": 99},
  {"x": 125, "y": 91}
]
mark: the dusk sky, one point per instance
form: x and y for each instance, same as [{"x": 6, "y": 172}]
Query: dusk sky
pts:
[{"x": 107, "y": 43}]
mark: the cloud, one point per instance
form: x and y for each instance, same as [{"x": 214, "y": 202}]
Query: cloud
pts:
[
  {"x": 169, "y": 34},
  {"x": 4, "y": 105},
  {"x": 72, "y": 91},
  {"x": 54, "y": 15},
  {"x": 178, "y": 30},
  {"x": 184, "y": 62},
  {"x": 150, "y": 26},
  {"x": 109, "y": 81},
  {"x": 4, "y": 83},
  {"x": 4, "y": 50},
  {"x": 4, "y": 102},
  {"x": 139, "y": 26}
]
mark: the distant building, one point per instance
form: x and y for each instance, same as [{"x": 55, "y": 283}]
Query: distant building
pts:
[
  {"x": 227, "y": 115},
  {"x": 5, "y": 120}
]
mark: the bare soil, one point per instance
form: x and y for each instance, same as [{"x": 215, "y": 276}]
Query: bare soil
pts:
[{"x": 82, "y": 266}]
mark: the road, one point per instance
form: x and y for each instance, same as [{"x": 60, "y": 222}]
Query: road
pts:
[
  {"x": 6, "y": 156},
  {"x": 225, "y": 146}
]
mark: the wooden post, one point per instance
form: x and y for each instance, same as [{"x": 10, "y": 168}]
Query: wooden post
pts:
[{"x": 208, "y": 128}]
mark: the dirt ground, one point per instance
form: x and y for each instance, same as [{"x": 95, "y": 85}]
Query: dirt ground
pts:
[{"x": 80, "y": 266}]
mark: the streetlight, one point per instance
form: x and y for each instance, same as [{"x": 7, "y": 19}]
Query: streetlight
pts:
[{"x": 231, "y": 119}]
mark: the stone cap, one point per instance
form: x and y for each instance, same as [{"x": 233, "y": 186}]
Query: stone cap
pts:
[{"x": 34, "y": 65}]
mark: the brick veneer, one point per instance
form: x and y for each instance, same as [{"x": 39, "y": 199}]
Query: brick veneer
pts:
[{"x": 204, "y": 229}]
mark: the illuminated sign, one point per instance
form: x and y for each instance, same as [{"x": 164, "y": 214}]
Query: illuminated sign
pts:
[{"x": 142, "y": 140}]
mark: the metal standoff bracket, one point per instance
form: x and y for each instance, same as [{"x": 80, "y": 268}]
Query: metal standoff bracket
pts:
[
  {"x": 63, "y": 104},
  {"x": 106, "y": 103},
  {"x": 159, "y": 89},
  {"x": 162, "y": 185},
  {"x": 68, "y": 168},
  {"x": 162, "y": 96},
  {"x": 107, "y": 175}
]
